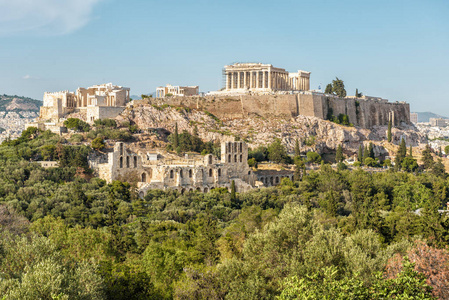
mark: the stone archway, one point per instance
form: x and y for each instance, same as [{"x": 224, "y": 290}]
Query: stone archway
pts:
[{"x": 144, "y": 177}]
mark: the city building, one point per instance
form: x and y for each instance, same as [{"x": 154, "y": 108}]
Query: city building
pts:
[
  {"x": 176, "y": 91},
  {"x": 414, "y": 118},
  {"x": 438, "y": 122}
]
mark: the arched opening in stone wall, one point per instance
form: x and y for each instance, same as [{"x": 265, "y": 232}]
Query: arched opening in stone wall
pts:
[
  {"x": 190, "y": 190},
  {"x": 241, "y": 158},
  {"x": 235, "y": 158},
  {"x": 249, "y": 172},
  {"x": 135, "y": 161},
  {"x": 144, "y": 177},
  {"x": 127, "y": 161},
  {"x": 271, "y": 180},
  {"x": 241, "y": 147},
  {"x": 262, "y": 179},
  {"x": 206, "y": 190},
  {"x": 180, "y": 173},
  {"x": 277, "y": 180},
  {"x": 121, "y": 162},
  {"x": 190, "y": 173},
  {"x": 121, "y": 148},
  {"x": 219, "y": 172},
  {"x": 141, "y": 194},
  {"x": 229, "y": 158},
  {"x": 198, "y": 189},
  {"x": 210, "y": 172},
  {"x": 183, "y": 191},
  {"x": 171, "y": 173},
  {"x": 210, "y": 159}
]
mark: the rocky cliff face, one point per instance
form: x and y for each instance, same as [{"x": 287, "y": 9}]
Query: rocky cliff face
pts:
[{"x": 313, "y": 133}]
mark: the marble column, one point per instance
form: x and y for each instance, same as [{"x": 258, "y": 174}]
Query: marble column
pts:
[
  {"x": 227, "y": 81},
  {"x": 257, "y": 80},
  {"x": 232, "y": 80},
  {"x": 263, "y": 79},
  {"x": 251, "y": 79},
  {"x": 238, "y": 79},
  {"x": 269, "y": 79}
]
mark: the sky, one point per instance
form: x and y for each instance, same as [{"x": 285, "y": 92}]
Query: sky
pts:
[{"x": 394, "y": 49}]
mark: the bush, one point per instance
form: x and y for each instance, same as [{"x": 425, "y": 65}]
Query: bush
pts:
[
  {"x": 76, "y": 138},
  {"x": 105, "y": 123},
  {"x": 77, "y": 124},
  {"x": 98, "y": 143},
  {"x": 313, "y": 157},
  {"x": 341, "y": 166}
]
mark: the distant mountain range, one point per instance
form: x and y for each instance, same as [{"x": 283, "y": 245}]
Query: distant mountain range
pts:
[
  {"x": 425, "y": 116},
  {"x": 19, "y": 103}
]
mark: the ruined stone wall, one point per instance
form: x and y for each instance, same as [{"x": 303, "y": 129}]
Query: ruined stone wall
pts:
[
  {"x": 361, "y": 112},
  {"x": 102, "y": 112}
]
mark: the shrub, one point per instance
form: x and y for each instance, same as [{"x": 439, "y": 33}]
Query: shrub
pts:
[
  {"x": 313, "y": 157},
  {"x": 77, "y": 124}
]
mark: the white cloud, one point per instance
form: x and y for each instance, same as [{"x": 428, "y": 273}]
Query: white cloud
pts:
[
  {"x": 44, "y": 17},
  {"x": 29, "y": 77}
]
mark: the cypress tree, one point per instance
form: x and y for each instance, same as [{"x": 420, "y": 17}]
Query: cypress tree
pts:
[
  {"x": 339, "y": 155},
  {"x": 403, "y": 148},
  {"x": 233, "y": 196},
  {"x": 360, "y": 154},
  {"x": 297, "y": 150},
  {"x": 176, "y": 137},
  {"x": 389, "y": 131},
  {"x": 410, "y": 151},
  {"x": 427, "y": 158},
  {"x": 371, "y": 150},
  {"x": 365, "y": 153},
  {"x": 357, "y": 92},
  {"x": 328, "y": 89}
]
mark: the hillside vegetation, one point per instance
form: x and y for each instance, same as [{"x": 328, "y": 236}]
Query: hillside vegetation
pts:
[{"x": 329, "y": 235}]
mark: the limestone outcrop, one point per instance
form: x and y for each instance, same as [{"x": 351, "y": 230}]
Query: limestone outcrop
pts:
[{"x": 312, "y": 132}]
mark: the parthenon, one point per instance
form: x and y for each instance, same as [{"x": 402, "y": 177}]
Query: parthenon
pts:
[{"x": 264, "y": 77}]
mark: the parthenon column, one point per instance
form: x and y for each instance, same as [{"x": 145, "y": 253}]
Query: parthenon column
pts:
[
  {"x": 227, "y": 81},
  {"x": 244, "y": 79},
  {"x": 251, "y": 79},
  {"x": 232, "y": 80},
  {"x": 263, "y": 79},
  {"x": 238, "y": 80},
  {"x": 269, "y": 79},
  {"x": 257, "y": 80}
]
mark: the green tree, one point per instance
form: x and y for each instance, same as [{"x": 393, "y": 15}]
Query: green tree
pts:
[
  {"x": 427, "y": 158},
  {"x": 297, "y": 149},
  {"x": 360, "y": 154},
  {"x": 438, "y": 168},
  {"x": 313, "y": 157},
  {"x": 410, "y": 152},
  {"x": 176, "y": 137},
  {"x": 409, "y": 164},
  {"x": 328, "y": 89},
  {"x": 338, "y": 87},
  {"x": 389, "y": 131},
  {"x": 233, "y": 195},
  {"x": 98, "y": 143},
  {"x": 371, "y": 150},
  {"x": 339, "y": 154},
  {"x": 277, "y": 152},
  {"x": 365, "y": 153}
]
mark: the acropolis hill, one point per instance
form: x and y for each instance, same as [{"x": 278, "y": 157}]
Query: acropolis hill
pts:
[{"x": 265, "y": 90}]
